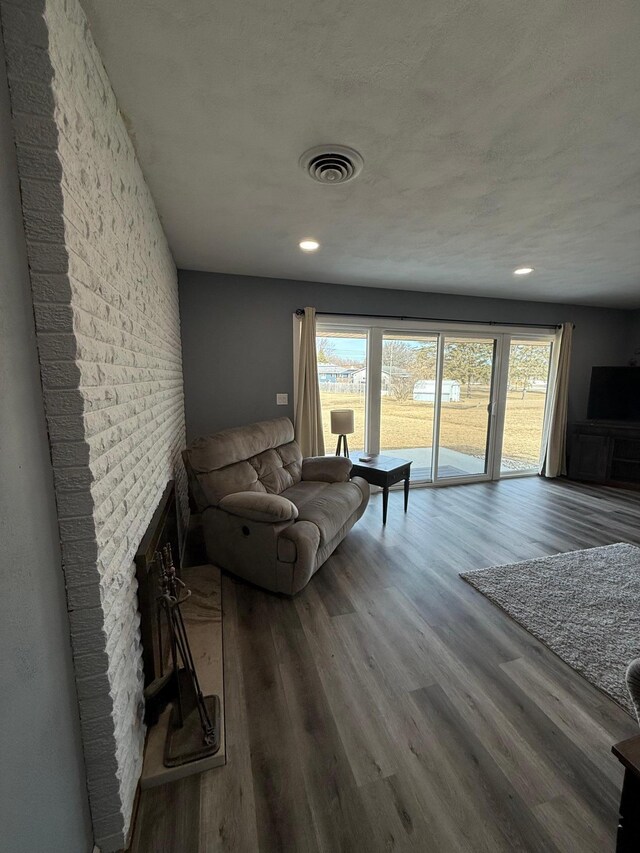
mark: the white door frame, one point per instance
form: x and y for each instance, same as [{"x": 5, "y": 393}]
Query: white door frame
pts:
[
  {"x": 374, "y": 391},
  {"x": 549, "y": 337}
]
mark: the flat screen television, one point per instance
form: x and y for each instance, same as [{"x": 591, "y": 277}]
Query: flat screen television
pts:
[{"x": 614, "y": 394}]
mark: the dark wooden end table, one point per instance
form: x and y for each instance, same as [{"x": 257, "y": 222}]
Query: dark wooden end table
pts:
[
  {"x": 628, "y": 754},
  {"x": 383, "y": 471}
]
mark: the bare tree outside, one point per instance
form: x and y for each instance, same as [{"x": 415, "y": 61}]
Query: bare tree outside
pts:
[
  {"x": 326, "y": 350},
  {"x": 398, "y": 354},
  {"x": 401, "y": 387}
]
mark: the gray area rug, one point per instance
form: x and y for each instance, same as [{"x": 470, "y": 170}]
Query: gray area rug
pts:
[{"x": 583, "y": 605}]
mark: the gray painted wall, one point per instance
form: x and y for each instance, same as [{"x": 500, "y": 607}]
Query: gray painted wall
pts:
[
  {"x": 43, "y": 796},
  {"x": 238, "y": 350}
]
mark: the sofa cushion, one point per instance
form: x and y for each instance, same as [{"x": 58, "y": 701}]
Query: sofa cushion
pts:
[
  {"x": 326, "y": 469},
  {"x": 216, "y": 467},
  {"x": 239, "y": 477},
  {"x": 301, "y": 493},
  {"x": 291, "y": 456},
  {"x": 327, "y": 505},
  {"x": 272, "y": 472},
  {"x": 239, "y": 443}
]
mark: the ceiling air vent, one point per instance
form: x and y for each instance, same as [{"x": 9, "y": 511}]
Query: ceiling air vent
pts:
[{"x": 331, "y": 164}]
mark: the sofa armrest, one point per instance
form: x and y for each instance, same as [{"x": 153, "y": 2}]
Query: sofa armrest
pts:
[
  {"x": 297, "y": 554},
  {"x": 259, "y": 506},
  {"x": 326, "y": 469},
  {"x": 197, "y": 499}
]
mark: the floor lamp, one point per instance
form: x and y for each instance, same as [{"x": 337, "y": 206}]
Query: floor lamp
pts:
[{"x": 342, "y": 425}]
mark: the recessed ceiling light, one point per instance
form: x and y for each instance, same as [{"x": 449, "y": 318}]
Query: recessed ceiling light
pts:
[
  {"x": 523, "y": 271},
  {"x": 309, "y": 245}
]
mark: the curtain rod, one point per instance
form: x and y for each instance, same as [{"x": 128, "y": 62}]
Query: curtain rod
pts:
[{"x": 300, "y": 313}]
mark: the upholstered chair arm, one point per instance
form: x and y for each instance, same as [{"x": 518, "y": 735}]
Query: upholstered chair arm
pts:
[
  {"x": 326, "y": 469},
  {"x": 633, "y": 684},
  {"x": 259, "y": 506}
]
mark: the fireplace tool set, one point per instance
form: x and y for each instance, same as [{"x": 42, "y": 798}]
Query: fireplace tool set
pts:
[{"x": 194, "y": 726}]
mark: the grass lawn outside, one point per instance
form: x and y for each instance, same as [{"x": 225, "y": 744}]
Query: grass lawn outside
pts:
[{"x": 409, "y": 423}]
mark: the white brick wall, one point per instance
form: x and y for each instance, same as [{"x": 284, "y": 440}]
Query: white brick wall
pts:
[{"x": 106, "y": 306}]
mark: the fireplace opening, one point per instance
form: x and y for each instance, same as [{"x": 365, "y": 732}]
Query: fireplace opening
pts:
[
  {"x": 155, "y": 633},
  {"x": 172, "y": 614}
]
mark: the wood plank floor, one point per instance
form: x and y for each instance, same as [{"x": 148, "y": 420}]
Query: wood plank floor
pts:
[{"x": 391, "y": 707}]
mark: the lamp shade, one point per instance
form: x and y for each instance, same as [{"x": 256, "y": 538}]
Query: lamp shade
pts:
[{"x": 342, "y": 421}]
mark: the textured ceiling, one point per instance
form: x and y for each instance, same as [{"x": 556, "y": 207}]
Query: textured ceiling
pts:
[{"x": 495, "y": 134}]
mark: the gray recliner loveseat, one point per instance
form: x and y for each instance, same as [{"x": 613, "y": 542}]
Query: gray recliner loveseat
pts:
[{"x": 269, "y": 515}]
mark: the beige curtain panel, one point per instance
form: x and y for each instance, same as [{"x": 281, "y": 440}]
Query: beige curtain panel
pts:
[
  {"x": 308, "y": 420},
  {"x": 553, "y": 460}
]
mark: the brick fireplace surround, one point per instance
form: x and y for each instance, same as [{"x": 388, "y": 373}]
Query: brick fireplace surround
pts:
[{"x": 105, "y": 300}]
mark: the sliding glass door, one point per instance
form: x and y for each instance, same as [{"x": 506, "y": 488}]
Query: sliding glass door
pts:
[
  {"x": 525, "y": 404},
  {"x": 461, "y": 404},
  {"x": 408, "y": 398},
  {"x": 466, "y": 397}
]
